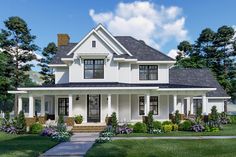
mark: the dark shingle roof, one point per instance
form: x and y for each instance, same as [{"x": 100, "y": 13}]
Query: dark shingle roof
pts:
[
  {"x": 141, "y": 51},
  {"x": 197, "y": 77},
  {"x": 62, "y": 53},
  {"x": 137, "y": 48},
  {"x": 117, "y": 84}
]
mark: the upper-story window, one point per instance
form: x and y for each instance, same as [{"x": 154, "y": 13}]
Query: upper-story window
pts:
[
  {"x": 93, "y": 68},
  {"x": 148, "y": 72},
  {"x": 93, "y": 43}
]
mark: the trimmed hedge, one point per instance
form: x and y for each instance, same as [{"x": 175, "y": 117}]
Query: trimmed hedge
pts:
[
  {"x": 36, "y": 128},
  {"x": 140, "y": 127},
  {"x": 157, "y": 125}
]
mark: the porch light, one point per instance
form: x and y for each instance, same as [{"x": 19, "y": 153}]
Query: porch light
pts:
[{"x": 77, "y": 98}]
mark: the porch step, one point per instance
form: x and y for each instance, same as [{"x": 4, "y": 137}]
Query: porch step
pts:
[{"x": 83, "y": 128}]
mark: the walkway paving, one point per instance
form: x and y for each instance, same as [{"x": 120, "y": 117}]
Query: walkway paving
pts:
[
  {"x": 79, "y": 144},
  {"x": 176, "y": 138}
]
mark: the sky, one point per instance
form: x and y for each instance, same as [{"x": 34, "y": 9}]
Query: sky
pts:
[{"x": 160, "y": 23}]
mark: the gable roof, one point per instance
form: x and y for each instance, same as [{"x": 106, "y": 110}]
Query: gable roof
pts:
[
  {"x": 137, "y": 48},
  {"x": 197, "y": 77}
]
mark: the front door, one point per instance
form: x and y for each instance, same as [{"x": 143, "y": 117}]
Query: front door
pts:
[{"x": 93, "y": 108}]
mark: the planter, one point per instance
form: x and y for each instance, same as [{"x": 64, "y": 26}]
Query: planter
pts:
[
  {"x": 108, "y": 120},
  {"x": 78, "y": 119}
]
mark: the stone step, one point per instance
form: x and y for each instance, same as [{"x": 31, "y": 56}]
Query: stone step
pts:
[{"x": 83, "y": 129}]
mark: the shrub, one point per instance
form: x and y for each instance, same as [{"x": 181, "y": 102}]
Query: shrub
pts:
[
  {"x": 61, "y": 136},
  {"x": 140, "y": 127},
  {"x": 106, "y": 134},
  {"x": 103, "y": 139},
  {"x": 176, "y": 117},
  {"x": 48, "y": 131},
  {"x": 185, "y": 126},
  {"x": 224, "y": 119},
  {"x": 114, "y": 121},
  {"x": 78, "y": 119},
  {"x": 150, "y": 121},
  {"x": 175, "y": 127},
  {"x": 61, "y": 127},
  {"x": 167, "y": 122},
  {"x": 233, "y": 119},
  {"x": 124, "y": 129},
  {"x": 197, "y": 128},
  {"x": 61, "y": 119},
  {"x": 157, "y": 125},
  {"x": 167, "y": 128},
  {"x": 7, "y": 116},
  {"x": 20, "y": 122},
  {"x": 36, "y": 128},
  {"x": 214, "y": 116}
]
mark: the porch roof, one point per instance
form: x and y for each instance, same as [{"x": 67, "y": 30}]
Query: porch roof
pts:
[{"x": 115, "y": 85}]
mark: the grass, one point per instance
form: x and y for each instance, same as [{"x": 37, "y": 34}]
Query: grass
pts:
[
  {"x": 23, "y": 145},
  {"x": 166, "y": 148},
  {"x": 228, "y": 130}
]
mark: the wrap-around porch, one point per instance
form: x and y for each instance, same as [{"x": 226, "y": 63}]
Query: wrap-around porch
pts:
[{"x": 95, "y": 105}]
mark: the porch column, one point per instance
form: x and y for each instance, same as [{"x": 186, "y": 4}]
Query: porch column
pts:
[
  {"x": 109, "y": 104},
  {"x": 182, "y": 106},
  {"x": 42, "y": 105},
  {"x": 204, "y": 102},
  {"x": 147, "y": 104},
  {"x": 191, "y": 105},
  {"x": 19, "y": 104},
  {"x": 31, "y": 106},
  {"x": 70, "y": 105},
  {"x": 56, "y": 106},
  {"x": 174, "y": 103}
]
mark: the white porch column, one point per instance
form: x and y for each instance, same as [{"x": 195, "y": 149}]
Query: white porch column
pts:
[
  {"x": 70, "y": 105},
  {"x": 191, "y": 105},
  {"x": 204, "y": 102},
  {"x": 174, "y": 103},
  {"x": 182, "y": 106},
  {"x": 42, "y": 106},
  {"x": 31, "y": 106},
  {"x": 147, "y": 104},
  {"x": 56, "y": 107},
  {"x": 19, "y": 104},
  {"x": 109, "y": 104},
  {"x": 117, "y": 106}
]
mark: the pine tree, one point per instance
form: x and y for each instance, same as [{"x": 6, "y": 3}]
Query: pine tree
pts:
[
  {"x": 17, "y": 41},
  {"x": 47, "y": 72}
]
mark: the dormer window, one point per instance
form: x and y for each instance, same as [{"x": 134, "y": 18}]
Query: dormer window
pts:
[{"x": 93, "y": 43}]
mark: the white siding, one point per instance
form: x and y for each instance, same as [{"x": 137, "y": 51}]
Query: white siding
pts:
[
  {"x": 61, "y": 75},
  {"x": 163, "y": 74},
  {"x": 219, "y": 103},
  {"x": 124, "y": 110}
]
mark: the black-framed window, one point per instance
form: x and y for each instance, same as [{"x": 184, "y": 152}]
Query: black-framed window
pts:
[
  {"x": 154, "y": 104},
  {"x": 93, "y": 68},
  {"x": 63, "y": 106},
  {"x": 93, "y": 43},
  {"x": 148, "y": 72},
  {"x": 141, "y": 105}
]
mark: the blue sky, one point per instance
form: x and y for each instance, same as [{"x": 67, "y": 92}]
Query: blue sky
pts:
[{"x": 185, "y": 19}]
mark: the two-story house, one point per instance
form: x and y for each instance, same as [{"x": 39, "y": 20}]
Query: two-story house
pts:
[{"x": 103, "y": 73}]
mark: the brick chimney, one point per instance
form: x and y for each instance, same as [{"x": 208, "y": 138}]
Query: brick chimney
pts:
[{"x": 63, "y": 39}]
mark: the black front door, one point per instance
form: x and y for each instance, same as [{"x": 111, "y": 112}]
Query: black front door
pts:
[{"x": 93, "y": 108}]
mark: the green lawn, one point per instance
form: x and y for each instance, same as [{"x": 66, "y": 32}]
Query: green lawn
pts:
[
  {"x": 23, "y": 145},
  {"x": 165, "y": 148},
  {"x": 228, "y": 130}
]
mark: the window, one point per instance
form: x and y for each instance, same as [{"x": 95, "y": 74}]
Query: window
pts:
[
  {"x": 141, "y": 105},
  {"x": 63, "y": 104},
  {"x": 37, "y": 106},
  {"x": 93, "y": 43},
  {"x": 46, "y": 107},
  {"x": 94, "y": 69},
  {"x": 25, "y": 105},
  {"x": 148, "y": 72},
  {"x": 154, "y": 104}
]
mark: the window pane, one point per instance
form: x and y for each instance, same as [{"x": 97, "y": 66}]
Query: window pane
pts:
[
  {"x": 154, "y": 104},
  {"x": 148, "y": 72},
  {"x": 25, "y": 105},
  {"x": 141, "y": 105},
  {"x": 88, "y": 74},
  {"x": 93, "y": 68},
  {"x": 98, "y": 73}
]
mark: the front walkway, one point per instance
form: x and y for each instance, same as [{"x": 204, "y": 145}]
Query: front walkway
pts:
[
  {"x": 79, "y": 144},
  {"x": 176, "y": 138}
]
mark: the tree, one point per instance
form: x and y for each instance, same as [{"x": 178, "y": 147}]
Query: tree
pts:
[
  {"x": 47, "y": 72},
  {"x": 6, "y": 102},
  {"x": 214, "y": 50},
  {"x": 17, "y": 41}
]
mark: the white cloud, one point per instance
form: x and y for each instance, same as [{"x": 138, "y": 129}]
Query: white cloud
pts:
[
  {"x": 156, "y": 25},
  {"x": 173, "y": 53}
]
